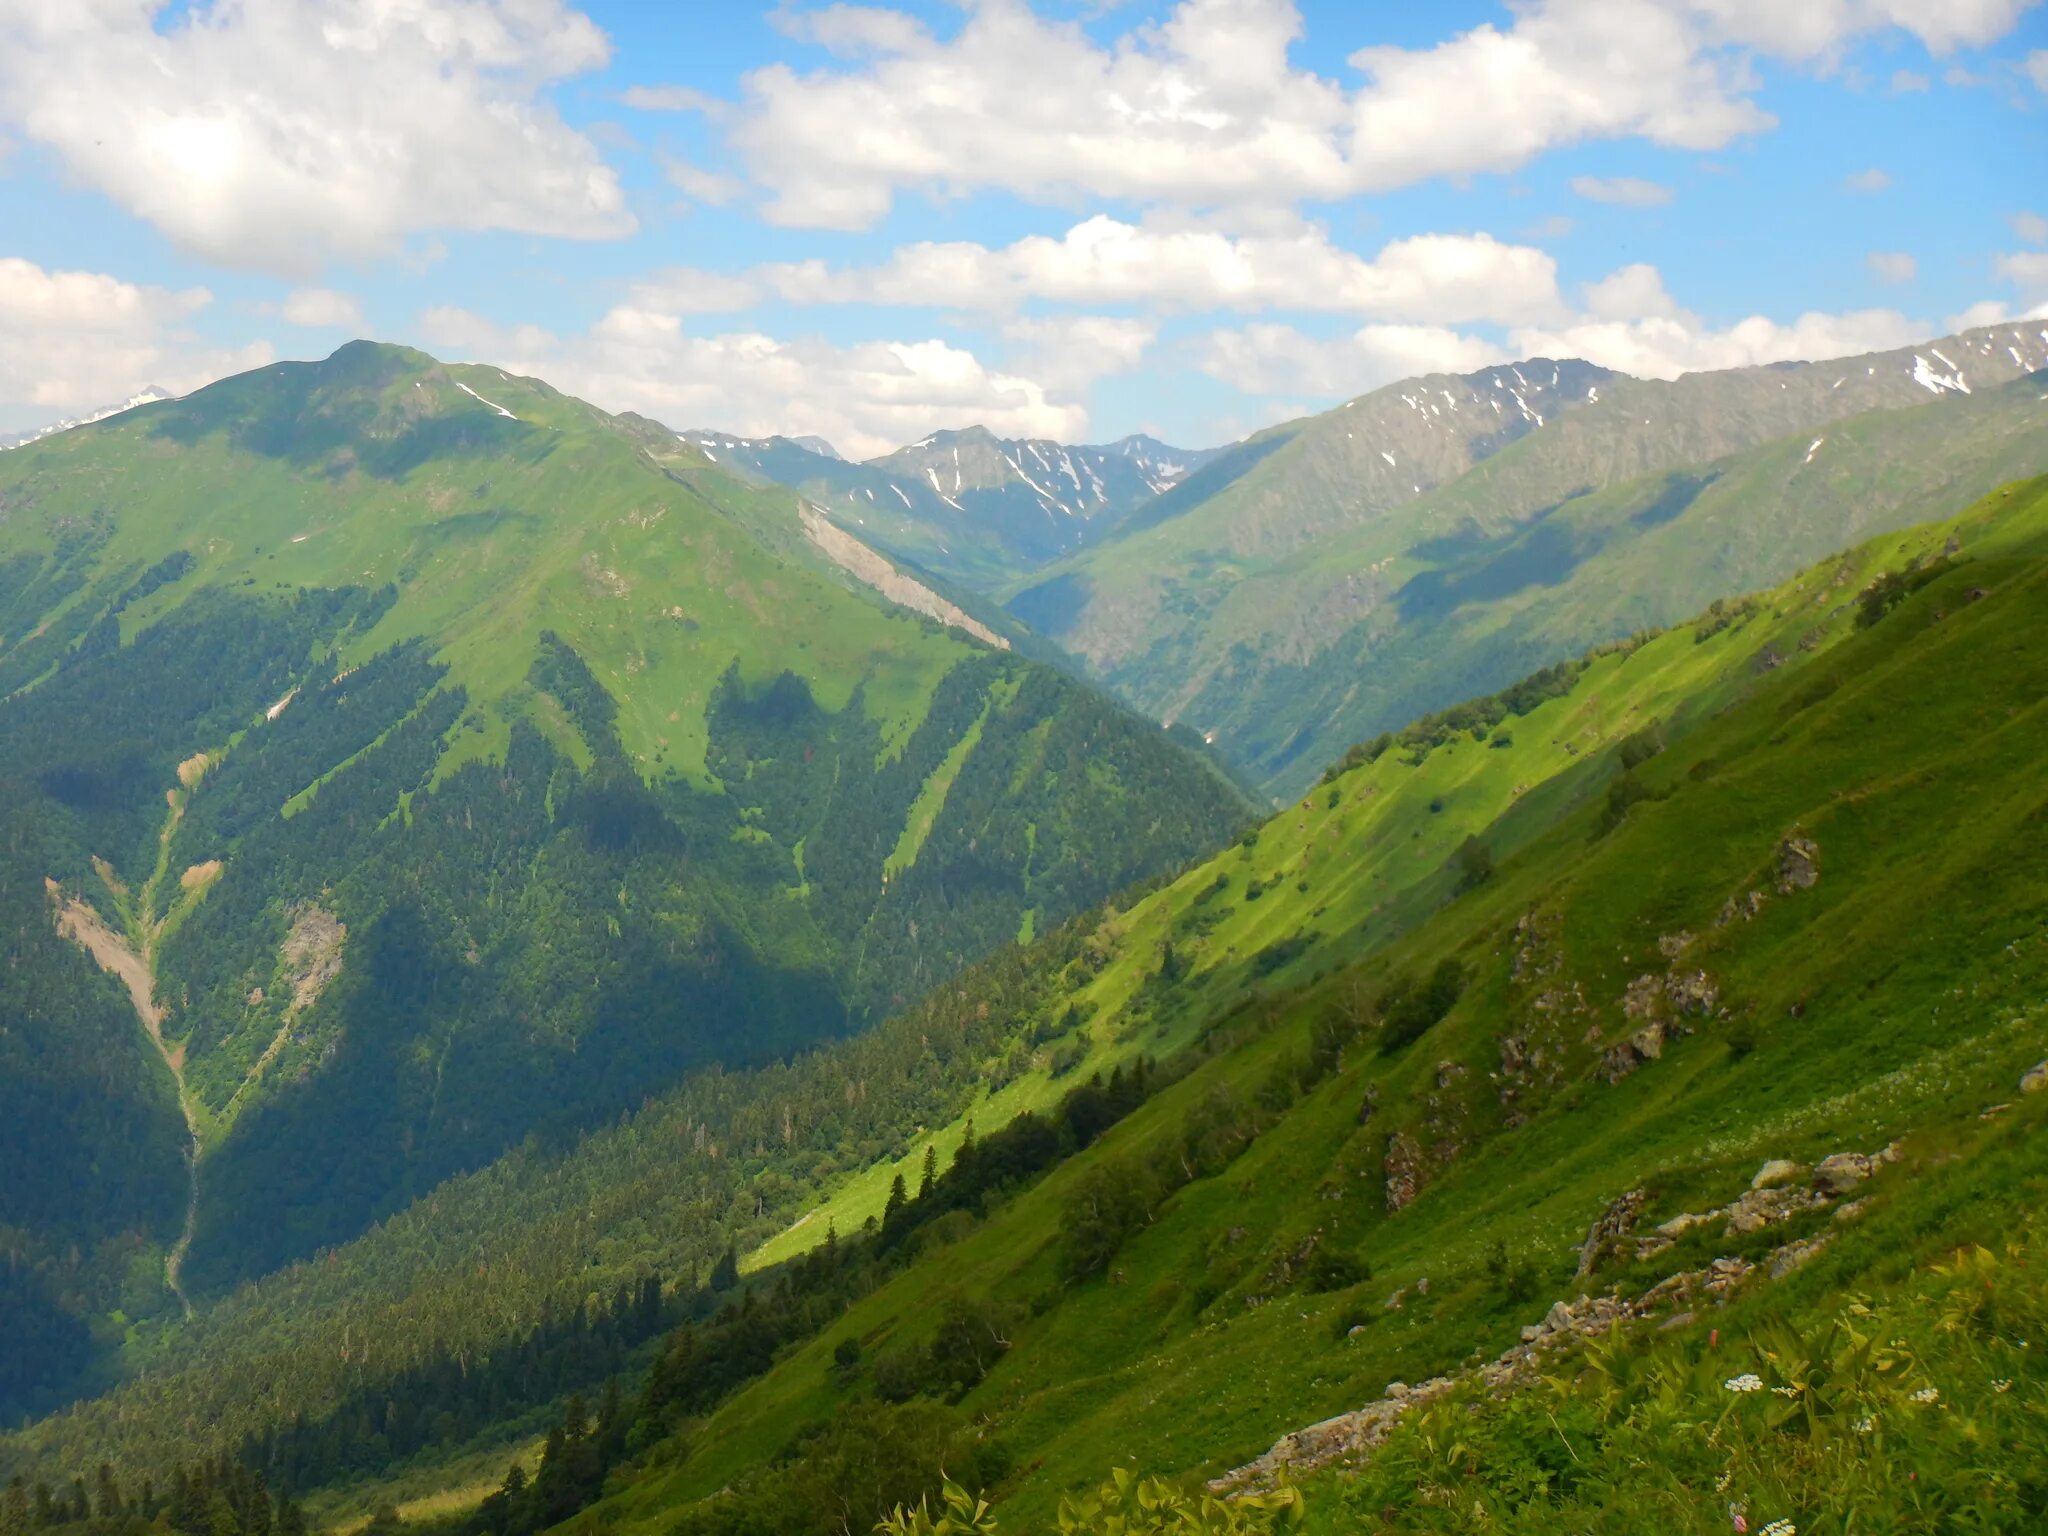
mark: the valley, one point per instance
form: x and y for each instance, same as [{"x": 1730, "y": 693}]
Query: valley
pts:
[{"x": 1216, "y": 768}]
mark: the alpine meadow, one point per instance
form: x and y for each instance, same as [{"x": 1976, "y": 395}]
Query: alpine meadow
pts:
[{"x": 715, "y": 893}]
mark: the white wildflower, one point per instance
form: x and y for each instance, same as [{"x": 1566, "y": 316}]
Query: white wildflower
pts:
[
  {"x": 1865, "y": 1425},
  {"x": 1779, "y": 1528},
  {"x": 2003, "y": 1384},
  {"x": 1748, "y": 1381},
  {"x": 1927, "y": 1395}
]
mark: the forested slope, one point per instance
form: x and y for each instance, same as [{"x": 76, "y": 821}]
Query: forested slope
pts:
[
  {"x": 452, "y": 763},
  {"x": 1798, "y": 922},
  {"x": 1601, "y": 1003}
]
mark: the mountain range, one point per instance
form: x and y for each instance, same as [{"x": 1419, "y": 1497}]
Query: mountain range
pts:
[
  {"x": 967, "y": 505},
  {"x": 539, "y": 939}
]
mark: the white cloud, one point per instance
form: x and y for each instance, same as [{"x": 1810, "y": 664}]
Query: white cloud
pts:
[
  {"x": 703, "y": 186},
  {"x": 867, "y": 397},
  {"x": 1892, "y": 266},
  {"x": 280, "y": 134},
  {"x": 2026, "y": 271},
  {"x": 1272, "y": 359},
  {"x": 2037, "y": 68},
  {"x": 1102, "y": 260},
  {"x": 322, "y": 309},
  {"x": 1068, "y": 353},
  {"x": 1204, "y": 109},
  {"x": 1632, "y": 324},
  {"x": 1872, "y": 180},
  {"x": 689, "y": 291},
  {"x": 671, "y": 98},
  {"x": 1907, "y": 82},
  {"x": 1627, "y": 191},
  {"x": 1808, "y": 29},
  {"x": 1629, "y": 322},
  {"x": 73, "y": 341},
  {"x": 2030, "y": 227}
]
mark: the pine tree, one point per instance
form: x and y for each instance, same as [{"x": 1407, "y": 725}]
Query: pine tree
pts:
[
  {"x": 931, "y": 1172},
  {"x": 897, "y": 1200},
  {"x": 725, "y": 1274}
]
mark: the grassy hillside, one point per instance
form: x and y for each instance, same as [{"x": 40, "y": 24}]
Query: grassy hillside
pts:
[
  {"x": 1389, "y": 557},
  {"x": 1799, "y": 917},
  {"x": 440, "y": 760}
]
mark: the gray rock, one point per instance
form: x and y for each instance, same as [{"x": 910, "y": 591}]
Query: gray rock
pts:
[{"x": 1777, "y": 1171}]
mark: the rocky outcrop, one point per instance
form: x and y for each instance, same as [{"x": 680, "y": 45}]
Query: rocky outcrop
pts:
[
  {"x": 1609, "y": 1234},
  {"x": 1798, "y": 864},
  {"x": 1353, "y": 1436},
  {"x": 1404, "y": 1171},
  {"x": 1781, "y": 1190},
  {"x": 2035, "y": 1081}
]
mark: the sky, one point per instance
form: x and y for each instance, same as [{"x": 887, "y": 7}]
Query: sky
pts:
[{"x": 1053, "y": 218}]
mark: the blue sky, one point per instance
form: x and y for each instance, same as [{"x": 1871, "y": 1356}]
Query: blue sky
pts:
[{"x": 1191, "y": 217}]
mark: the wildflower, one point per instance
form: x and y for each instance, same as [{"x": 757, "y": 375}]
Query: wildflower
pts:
[
  {"x": 1748, "y": 1381},
  {"x": 1927, "y": 1395},
  {"x": 1865, "y": 1425},
  {"x": 1721, "y": 1483},
  {"x": 1791, "y": 1391},
  {"x": 2003, "y": 1384},
  {"x": 1779, "y": 1528}
]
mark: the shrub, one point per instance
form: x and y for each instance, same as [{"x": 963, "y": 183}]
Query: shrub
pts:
[{"x": 1410, "y": 1011}]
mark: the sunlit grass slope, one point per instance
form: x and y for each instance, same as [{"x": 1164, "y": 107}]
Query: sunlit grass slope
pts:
[{"x": 1894, "y": 997}]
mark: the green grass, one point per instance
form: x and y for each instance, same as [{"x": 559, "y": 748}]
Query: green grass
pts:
[{"x": 1897, "y": 998}]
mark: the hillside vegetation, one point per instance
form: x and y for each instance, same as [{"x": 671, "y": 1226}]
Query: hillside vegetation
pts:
[
  {"x": 1757, "y": 888},
  {"x": 1798, "y": 921},
  {"x": 442, "y": 762},
  {"x": 1336, "y": 577}
]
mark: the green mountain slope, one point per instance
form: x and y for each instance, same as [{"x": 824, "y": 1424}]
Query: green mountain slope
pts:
[
  {"x": 1387, "y": 558},
  {"x": 439, "y": 760},
  {"x": 1159, "y": 1299},
  {"x": 1798, "y": 917}
]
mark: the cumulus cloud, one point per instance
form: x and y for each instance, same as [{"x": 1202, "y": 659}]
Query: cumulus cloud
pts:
[
  {"x": 2037, "y": 68},
  {"x": 866, "y": 397},
  {"x": 1203, "y": 108},
  {"x": 1892, "y": 266},
  {"x": 2026, "y": 271},
  {"x": 1272, "y": 359},
  {"x": 322, "y": 309},
  {"x": 75, "y": 341},
  {"x": 1907, "y": 82},
  {"x": 1434, "y": 277},
  {"x": 1631, "y": 323},
  {"x": 1627, "y": 191},
  {"x": 1628, "y": 322},
  {"x": 1069, "y": 353},
  {"x": 280, "y": 134},
  {"x": 1808, "y": 29},
  {"x": 2030, "y": 227},
  {"x": 1872, "y": 180}
]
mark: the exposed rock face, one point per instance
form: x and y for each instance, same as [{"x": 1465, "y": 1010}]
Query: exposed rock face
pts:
[
  {"x": 1798, "y": 864},
  {"x": 1777, "y": 1171},
  {"x": 1762, "y": 1208},
  {"x": 1609, "y": 1234},
  {"x": 1404, "y": 1171},
  {"x": 1740, "y": 908},
  {"x": 310, "y": 956},
  {"x": 1352, "y": 1436},
  {"x": 1842, "y": 1172}
]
